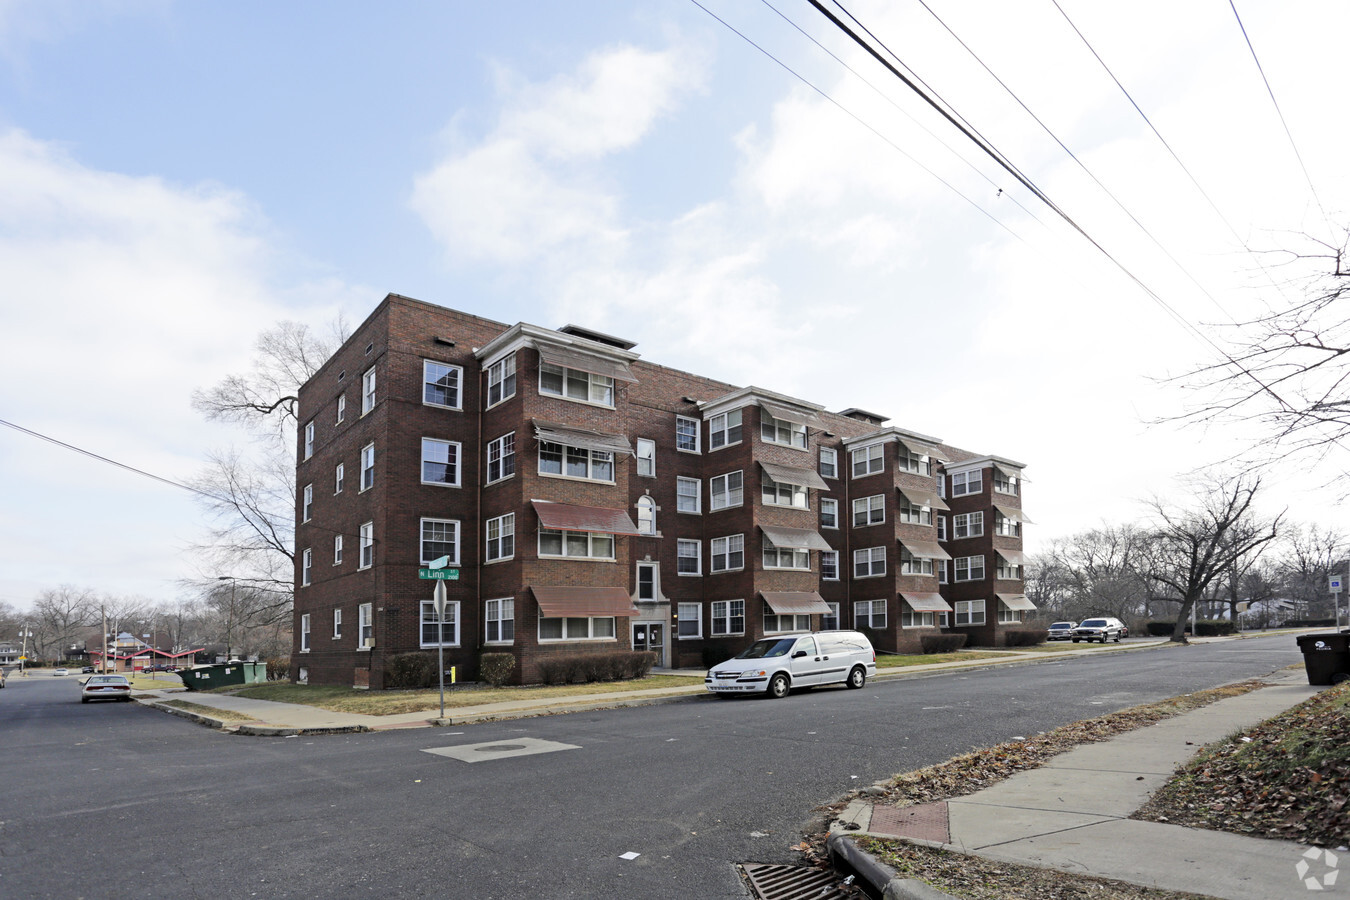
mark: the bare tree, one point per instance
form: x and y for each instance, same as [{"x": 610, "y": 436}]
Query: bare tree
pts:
[
  {"x": 1189, "y": 549},
  {"x": 1310, "y": 555},
  {"x": 60, "y": 617},
  {"x": 1289, "y": 370},
  {"x": 245, "y": 617}
]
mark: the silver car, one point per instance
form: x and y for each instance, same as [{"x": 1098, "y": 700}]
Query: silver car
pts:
[
  {"x": 1061, "y": 631},
  {"x": 1104, "y": 628}
]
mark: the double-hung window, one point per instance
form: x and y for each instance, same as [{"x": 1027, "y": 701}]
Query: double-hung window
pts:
[
  {"x": 724, "y": 429},
  {"x": 829, "y": 462},
  {"x": 440, "y": 384},
  {"x": 1008, "y": 616},
  {"x": 725, "y": 491},
  {"x": 367, "y": 544},
  {"x": 869, "y": 460},
  {"x": 691, "y": 621},
  {"x": 306, "y": 565},
  {"x": 576, "y": 462},
  {"x": 341, "y": 408},
  {"x": 869, "y": 614},
  {"x": 728, "y": 553},
  {"x": 440, "y": 537},
  {"x": 1005, "y": 483},
  {"x": 307, "y": 507},
  {"x": 576, "y": 544},
  {"x": 914, "y": 565},
  {"x": 829, "y": 566},
  {"x": 829, "y": 512},
  {"x": 337, "y": 550},
  {"x": 501, "y": 380},
  {"x": 365, "y": 625},
  {"x": 910, "y": 618},
  {"x": 574, "y": 384},
  {"x": 775, "y": 623},
  {"x": 688, "y": 497},
  {"x": 728, "y": 617},
  {"x": 780, "y": 431},
  {"x": 907, "y": 460},
  {"x": 647, "y": 589},
  {"x": 440, "y": 462},
  {"x": 1007, "y": 571},
  {"x": 339, "y": 475},
  {"x": 968, "y": 525},
  {"x": 500, "y": 616},
  {"x": 646, "y": 515},
  {"x": 1006, "y": 526},
  {"x": 830, "y": 621},
  {"x": 442, "y": 631},
  {"x": 690, "y": 561},
  {"x": 869, "y": 561},
  {"x": 941, "y": 571},
  {"x": 785, "y": 557},
  {"x": 777, "y": 493},
  {"x": 367, "y": 467},
  {"x": 304, "y": 633},
  {"x": 869, "y": 510},
  {"x": 969, "y": 612},
  {"x": 368, "y": 391},
  {"x": 646, "y": 457},
  {"x": 968, "y": 568},
  {"x": 501, "y": 457},
  {"x": 501, "y": 537},
  {"x": 337, "y": 624},
  {"x": 966, "y": 483},
  {"x": 942, "y": 528},
  {"x": 911, "y": 514},
  {"x": 686, "y": 434},
  {"x": 309, "y": 439}
]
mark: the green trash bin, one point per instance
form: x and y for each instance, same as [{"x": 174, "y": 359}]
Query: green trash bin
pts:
[
  {"x": 1326, "y": 657},
  {"x": 203, "y": 678}
]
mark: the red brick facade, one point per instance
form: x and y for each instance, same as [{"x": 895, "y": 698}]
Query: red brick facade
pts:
[{"x": 402, "y": 335}]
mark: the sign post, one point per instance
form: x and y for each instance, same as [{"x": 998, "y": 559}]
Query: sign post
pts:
[
  {"x": 1337, "y": 583},
  {"x": 438, "y": 600}
]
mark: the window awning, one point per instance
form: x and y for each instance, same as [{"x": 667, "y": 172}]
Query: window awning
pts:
[
  {"x": 566, "y": 517},
  {"x": 795, "y": 603},
  {"x": 584, "y": 362},
  {"x": 1008, "y": 471},
  {"x": 580, "y": 437},
  {"x": 557, "y": 602},
  {"x": 797, "y": 475},
  {"x": 919, "y": 448},
  {"x": 1016, "y": 601},
  {"x": 1012, "y": 556},
  {"x": 1015, "y": 515},
  {"x": 926, "y": 602},
  {"x": 800, "y": 417},
  {"x": 924, "y": 549},
  {"x": 795, "y": 538},
  {"x": 923, "y": 497}
]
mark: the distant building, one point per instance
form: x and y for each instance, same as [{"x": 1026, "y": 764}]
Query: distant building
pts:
[{"x": 589, "y": 500}]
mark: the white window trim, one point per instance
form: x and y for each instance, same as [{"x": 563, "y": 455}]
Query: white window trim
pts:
[
  {"x": 367, "y": 542},
  {"x": 337, "y": 550},
  {"x": 726, "y": 617},
  {"x": 502, "y": 456},
  {"x": 834, "y": 457},
  {"x": 697, "y": 495},
  {"x": 591, "y": 537},
  {"x": 794, "y": 554},
  {"x": 487, "y": 619},
  {"x": 956, "y": 569},
  {"x": 590, "y": 628},
  {"x": 429, "y": 605},
  {"x": 871, "y": 615},
  {"x": 712, "y": 554},
  {"x": 648, "y": 445},
  {"x": 304, "y": 633},
  {"x": 870, "y": 509},
  {"x": 646, "y": 512},
  {"x": 834, "y": 504},
  {"x": 364, "y": 468},
  {"x": 870, "y": 559},
  {"x": 796, "y": 619},
  {"x": 306, "y": 567},
  {"x": 713, "y": 493},
  {"x": 698, "y": 435},
  {"x": 365, "y": 619},
  {"x": 458, "y": 463},
  {"x": 697, "y": 557},
  {"x": 592, "y": 379},
  {"x": 823, "y": 554},
  {"x": 503, "y": 522},
  {"x": 309, "y": 439},
  {"x": 590, "y": 463},
  {"x": 459, "y": 385},
  {"x": 680, "y": 611},
  {"x": 341, "y": 408},
  {"x": 497, "y": 374},
  {"x": 794, "y": 430},
  {"x": 655, "y": 569},
  {"x": 337, "y": 624},
  {"x": 307, "y": 503},
  {"x": 339, "y": 477},
  {"x": 368, "y": 388},
  {"x": 421, "y": 539},
  {"x": 871, "y": 454},
  {"x": 714, "y": 430}
]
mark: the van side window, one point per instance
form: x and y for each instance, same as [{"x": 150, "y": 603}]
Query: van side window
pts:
[{"x": 808, "y": 644}]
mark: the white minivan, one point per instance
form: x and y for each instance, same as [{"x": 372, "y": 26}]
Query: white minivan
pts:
[{"x": 776, "y": 665}]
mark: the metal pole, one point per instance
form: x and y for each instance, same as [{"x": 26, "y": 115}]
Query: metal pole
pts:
[{"x": 438, "y": 601}]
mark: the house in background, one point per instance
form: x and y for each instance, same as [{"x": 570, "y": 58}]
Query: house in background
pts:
[{"x": 583, "y": 499}]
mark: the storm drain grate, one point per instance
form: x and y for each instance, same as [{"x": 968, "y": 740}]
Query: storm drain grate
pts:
[{"x": 772, "y": 882}]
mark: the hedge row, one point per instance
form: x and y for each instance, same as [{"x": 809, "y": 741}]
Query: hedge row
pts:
[
  {"x": 1023, "y": 637},
  {"x": 1203, "y": 628},
  {"x": 941, "y": 643},
  {"x": 582, "y": 668}
]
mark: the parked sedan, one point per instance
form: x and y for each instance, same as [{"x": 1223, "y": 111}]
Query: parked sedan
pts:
[
  {"x": 105, "y": 687},
  {"x": 60, "y": 671},
  {"x": 1061, "y": 631}
]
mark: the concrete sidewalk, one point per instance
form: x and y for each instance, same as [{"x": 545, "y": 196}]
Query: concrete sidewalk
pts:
[{"x": 1072, "y": 814}]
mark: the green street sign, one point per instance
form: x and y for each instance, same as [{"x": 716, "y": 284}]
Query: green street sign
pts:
[{"x": 438, "y": 574}]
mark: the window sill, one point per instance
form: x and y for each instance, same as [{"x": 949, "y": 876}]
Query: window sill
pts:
[
  {"x": 499, "y": 643},
  {"x": 438, "y": 646},
  {"x": 443, "y": 406},
  {"x": 504, "y": 559},
  {"x": 689, "y": 637},
  {"x": 600, "y": 640},
  {"x": 690, "y": 452},
  {"x": 726, "y": 572},
  {"x": 723, "y": 447},
  {"x": 440, "y": 484},
  {"x": 364, "y": 649},
  {"x": 689, "y": 574},
  {"x": 306, "y": 650},
  {"x": 499, "y": 480},
  {"x": 564, "y": 477},
  {"x": 577, "y": 400}
]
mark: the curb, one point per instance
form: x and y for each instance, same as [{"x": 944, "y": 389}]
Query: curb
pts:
[
  {"x": 878, "y": 875},
  {"x": 283, "y": 731},
  {"x": 507, "y": 715},
  {"x": 185, "y": 714}
]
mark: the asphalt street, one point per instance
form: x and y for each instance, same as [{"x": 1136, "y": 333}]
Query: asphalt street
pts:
[{"x": 113, "y": 800}]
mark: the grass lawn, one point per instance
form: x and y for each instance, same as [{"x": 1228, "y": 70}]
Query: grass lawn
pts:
[
  {"x": 895, "y": 661},
  {"x": 387, "y": 703}
]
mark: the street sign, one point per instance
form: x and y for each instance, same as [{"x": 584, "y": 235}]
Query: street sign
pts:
[
  {"x": 1336, "y": 582},
  {"x": 438, "y": 601},
  {"x": 438, "y": 574}
]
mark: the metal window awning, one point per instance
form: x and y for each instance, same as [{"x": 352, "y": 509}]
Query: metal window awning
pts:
[
  {"x": 1016, "y": 601},
  {"x": 797, "y": 416},
  {"x": 795, "y": 603},
  {"x": 1015, "y": 515},
  {"x": 1013, "y": 556},
  {"x": 926, "y": 602},
  {"x": 566, "y": 517},
  {"x": 581, "y": 437},
  {"x": 795, "y": 538},
  {"x": 923, "y": 497},
  {"x": 1008, "y": 471},
  {"x": 559, "y": 602},
  {"x": 924, "y": 549},
  {"x": 584, "y": 362},
  {"x": 919, "y": 448},
  {"x": 797, "y": 475}
]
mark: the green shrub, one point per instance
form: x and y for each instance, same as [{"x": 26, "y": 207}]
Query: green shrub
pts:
[
  {"x": 410, "y": 670},
  {"x": 941, "y": 643},
  {"x": 593, "y": 667},
  {"x": 1023, "y": 637},
  {"x": 496, "y": 668},
  {"x": 558, "y": 669}
]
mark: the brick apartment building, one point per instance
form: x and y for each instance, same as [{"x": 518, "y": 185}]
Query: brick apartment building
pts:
[{"x": 590, "y": 500}]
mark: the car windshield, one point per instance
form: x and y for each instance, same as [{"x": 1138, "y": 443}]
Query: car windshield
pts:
[
  {"x": 767, "y": 648},
  {"x": 1094, "y": 623},
  {"x": 1062, "y": 625}
]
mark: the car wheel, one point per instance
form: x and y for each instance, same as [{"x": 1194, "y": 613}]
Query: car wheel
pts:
[
  {"x": 857, "y": 678},
  {"x": 779, "y": 686},
  {"x": 84, "y": 699},
  {"x": 1104, "y": 637},
  {"x": 1075, "y": 640}
]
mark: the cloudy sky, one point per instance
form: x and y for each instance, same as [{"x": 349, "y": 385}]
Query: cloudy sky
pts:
[{"x": 751, "y": 199}]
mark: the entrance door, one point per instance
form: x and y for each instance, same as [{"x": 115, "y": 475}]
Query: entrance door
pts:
[{"x": 651, "y": 636}]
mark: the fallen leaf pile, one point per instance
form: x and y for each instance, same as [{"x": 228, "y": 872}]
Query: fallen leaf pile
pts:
[{"x": 1287, "y": 778}]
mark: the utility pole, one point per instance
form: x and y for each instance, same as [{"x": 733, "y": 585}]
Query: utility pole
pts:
[
  {"x": 103, "y": 611},
  {"x": 23, "y": 654}
]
